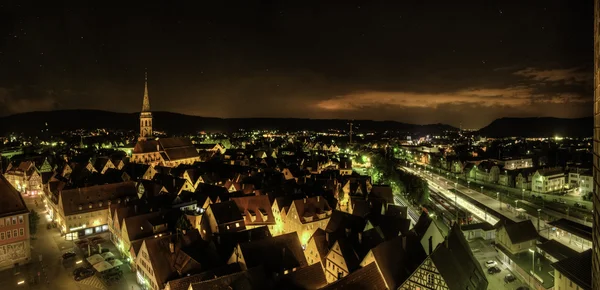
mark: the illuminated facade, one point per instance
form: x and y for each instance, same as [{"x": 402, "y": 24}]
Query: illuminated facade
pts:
[
  {"x": 596, "y": 198},
  {"x": 168, "y": 152},
  {"x": 25, "y": 177},
  {"x": 14, "y": 227},
  {"x": 305, "y": 216}
]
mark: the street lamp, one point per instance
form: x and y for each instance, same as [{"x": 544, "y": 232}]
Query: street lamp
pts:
[
  {"x": 468, "y": 182},
  {"x": 482, "y": 189},
  {"x": 523, "y": 193},
  {"x": 498, "y": 197},
  {"x": 532, "y": 260}
]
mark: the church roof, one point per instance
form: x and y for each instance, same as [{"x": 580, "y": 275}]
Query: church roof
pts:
[{"x": 145, "y": 146}]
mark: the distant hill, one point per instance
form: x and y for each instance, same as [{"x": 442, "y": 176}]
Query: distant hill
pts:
[
  {"x": 173, "y": 123},
  {"x": 539, "y": 127}
]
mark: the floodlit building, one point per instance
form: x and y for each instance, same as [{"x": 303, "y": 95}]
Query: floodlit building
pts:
[
  {"x": 14, "y": 227},
  {"x": 165, "y": 151}
]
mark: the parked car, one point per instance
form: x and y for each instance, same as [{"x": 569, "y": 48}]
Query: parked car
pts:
[
  {"x": 494, "y": 270},
  {"x": 68, "y": 255},
  {"x": 509, "y": 278},
  {"x": 491, "y": 263},
  {"x": 85, "y": 273},
  {"x": 77, "y": 271}
]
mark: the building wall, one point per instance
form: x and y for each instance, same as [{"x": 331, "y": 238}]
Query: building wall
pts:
[
  {"x": 14, "y": 249},
  {"x": 312, "y": 253},
  {"x": 563, "y": 283},
  {"x": 426, "y": 276},
  {"x": 596, "y": 199},
  {"x": 145, "y": 270},
  {"x": 335, "y": 264},
  {"x": 518, "y": 163},
  {"x": 305, "y": 230},
  {"x": 503, "y": 239},
  {"x": 546, "y": 184}
]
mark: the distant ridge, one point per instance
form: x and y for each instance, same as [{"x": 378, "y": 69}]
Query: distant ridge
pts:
[
  {"x": 174, "y": 123},
  {"x": 539, "y": 127}
]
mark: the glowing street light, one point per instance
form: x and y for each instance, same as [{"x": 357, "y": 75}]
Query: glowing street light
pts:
[{"x": 532, "y": 260}]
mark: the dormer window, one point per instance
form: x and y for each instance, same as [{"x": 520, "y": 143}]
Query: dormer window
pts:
[
  {"x": 90, "y": 206},
  {"x": 100, "y": 204},
  {"x": 80, "y": 207}
]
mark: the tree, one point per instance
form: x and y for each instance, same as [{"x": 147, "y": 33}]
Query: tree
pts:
[
  {"x": 183, "y": 224},
  {"x": 34, "y": 219}
]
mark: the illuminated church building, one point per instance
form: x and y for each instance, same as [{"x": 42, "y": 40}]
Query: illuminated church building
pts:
[{"x": 168, "y": 152}]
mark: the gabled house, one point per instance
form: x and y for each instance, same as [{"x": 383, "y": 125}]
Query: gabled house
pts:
[
  {"x": 305, "y": 216},
  {"x": 172, "y": 257},
  {"x": 450, "y": 265},
  {"x": 137, "y": 171},
  {"x": 256, "y": 211},
  {"x": 548, "y": 180},
  {"x": 223, "y": 217},
  {"x": 396, "y": 259},
  {"x": 515, "y": 238},
  {"x": 102, "y": 164},
  {"x": 285, "y": 254}
]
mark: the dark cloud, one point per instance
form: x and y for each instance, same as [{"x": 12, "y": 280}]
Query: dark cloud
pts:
[{"x": 411, "y": 61}]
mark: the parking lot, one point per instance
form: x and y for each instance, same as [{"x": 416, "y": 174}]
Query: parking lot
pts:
[{"x": 483, "y": 252}]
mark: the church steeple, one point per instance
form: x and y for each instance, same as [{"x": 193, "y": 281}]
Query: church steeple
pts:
[
  {"x": 146, "y": 103},
  {"x": 146, "y": 114}
]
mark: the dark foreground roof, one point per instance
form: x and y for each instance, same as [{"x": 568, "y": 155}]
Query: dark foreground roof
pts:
[
  {"x": 577, "y": 268},
  {"x": 11, "y": 201},
  {"x": 366, "y": 278},
  {"x": 456, "y": 263}
]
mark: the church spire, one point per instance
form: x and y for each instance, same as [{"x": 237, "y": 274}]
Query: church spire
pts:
[{"x": 146, "y": 103}]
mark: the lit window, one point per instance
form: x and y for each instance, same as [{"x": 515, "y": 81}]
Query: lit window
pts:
[
  {"x": 237, "y": 225},
  {"x": 227, "y": 227},
  {"x": 20, "y": 219},
  {"x": 14, "y": 220},
  {"x": 21, "y": 232}
]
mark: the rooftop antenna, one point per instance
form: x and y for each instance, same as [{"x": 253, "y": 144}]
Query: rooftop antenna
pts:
[{"x": 350, "y": 133}]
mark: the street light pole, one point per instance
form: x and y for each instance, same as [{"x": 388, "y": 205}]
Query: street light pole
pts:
[
  {"x": 498, "y": 197},
  {"x": 482, "y": 189},
  {"x": 468, "y": 183},
  {"x": 532, "y": 260},
  {"x": 523, "y": 193},
  {"x": 539, "y": 216}
]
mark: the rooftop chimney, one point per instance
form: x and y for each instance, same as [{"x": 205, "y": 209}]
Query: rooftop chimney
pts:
[
  {"x": 347, "y": 232},
  {"x": 305, "y": 200},
  {"x": 171, "y": 247},
  {"x": 360, "y": 238},
  {"x": 218, "y": 239},
  {"x": 430, "y": 244},
  {"x": 327, "y": 236},
  {"x": 135, "y": 208},
  {"x": 404, "y": 243},
  {"x": 157, "y": 147},
  {"x": 318, "y": 198}
]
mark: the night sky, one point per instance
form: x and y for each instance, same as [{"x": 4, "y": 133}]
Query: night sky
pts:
[{"x": 454, "y": 62}]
